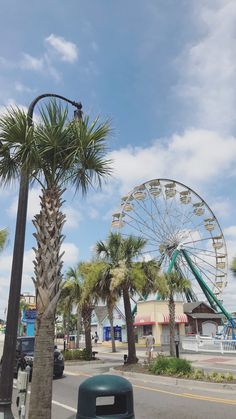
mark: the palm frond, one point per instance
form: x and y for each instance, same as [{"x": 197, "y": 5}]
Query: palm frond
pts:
[
  {"x": 3, "y": 238},
  {"x": 17, "y": 147},
  {"x": 233, "y": 267}
]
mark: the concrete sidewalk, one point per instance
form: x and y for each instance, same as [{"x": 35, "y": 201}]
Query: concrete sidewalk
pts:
[{"x": 205, "y": 361}]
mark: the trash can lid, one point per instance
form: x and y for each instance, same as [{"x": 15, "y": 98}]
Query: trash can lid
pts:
[{"x": 105, "y": 384}]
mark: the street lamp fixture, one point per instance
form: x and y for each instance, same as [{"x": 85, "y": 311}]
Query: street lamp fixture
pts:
[{"x": 8, "y": 358}]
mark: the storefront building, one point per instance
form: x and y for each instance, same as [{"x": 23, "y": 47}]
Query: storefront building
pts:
[
  {"x": 101, "y": 324},
  {"x": 28, "y": 315},
  {"x": 153, "y": 316},
  {"x": 202, "y": 319}
]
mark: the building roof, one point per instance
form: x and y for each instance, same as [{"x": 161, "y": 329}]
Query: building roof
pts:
[
  {"x": 205, "y": 315},
  {"x": 189, "y": 307},
  {"x": 101, "y": 312}
]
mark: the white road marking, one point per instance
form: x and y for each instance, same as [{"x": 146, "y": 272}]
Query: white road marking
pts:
[{"x": 65, "y": 406}]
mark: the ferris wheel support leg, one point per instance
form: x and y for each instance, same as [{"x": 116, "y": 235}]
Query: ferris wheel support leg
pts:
[
  {"x": 208, "y": 291},
  {"x": 173, "y": 259}
]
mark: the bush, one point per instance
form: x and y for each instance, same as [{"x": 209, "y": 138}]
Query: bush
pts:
[
  {"x": 229, "y": 376},
  {"x": 72, "y": 354},
  {"x": 219, "y": 377},
  {"x": 170, "y": 366},
  {"x": 179, "y": 367},
  {"x": 197, "y": 374}
]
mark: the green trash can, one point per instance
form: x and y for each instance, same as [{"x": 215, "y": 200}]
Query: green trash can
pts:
[{"x": 121, "y": 391}]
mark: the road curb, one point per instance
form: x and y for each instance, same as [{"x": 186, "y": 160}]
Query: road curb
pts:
[
  {"x": 78, "y": 362},
  {"x": 180, "y": 382}
]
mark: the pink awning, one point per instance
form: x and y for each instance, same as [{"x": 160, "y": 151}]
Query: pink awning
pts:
[
  {"x": 179, "y": 318},
  {"x": 143, "y": 320}
]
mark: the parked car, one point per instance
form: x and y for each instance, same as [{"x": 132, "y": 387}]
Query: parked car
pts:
[{"x": 25, "y": 356}]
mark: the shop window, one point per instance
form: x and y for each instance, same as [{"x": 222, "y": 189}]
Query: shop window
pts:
[{"x": 147, "y": 329}]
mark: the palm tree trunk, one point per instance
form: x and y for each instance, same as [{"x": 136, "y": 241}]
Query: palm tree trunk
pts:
[
  {"x": 68, "y": 328},
  {"x": 41, "y": 389},
  {"x": 79, "y": 319},
  {"x": 132, "y": 359},
  {"x": 87, "y": 315},
  {"x": 47, "y": 270},
  {"x": 110, "y": 307},
  {"x": 172, "y": 324}
]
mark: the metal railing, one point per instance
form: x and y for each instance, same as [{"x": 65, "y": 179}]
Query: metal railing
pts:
[{"x": 208, "y": 344}]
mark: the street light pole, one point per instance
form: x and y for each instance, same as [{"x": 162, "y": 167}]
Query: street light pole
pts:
[{"x": 9, "y": 351}]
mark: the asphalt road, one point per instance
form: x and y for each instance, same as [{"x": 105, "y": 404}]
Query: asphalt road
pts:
[{"x": 150, "y": 400}]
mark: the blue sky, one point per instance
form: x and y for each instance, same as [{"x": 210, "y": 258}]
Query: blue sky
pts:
[{"x": 163, "y": 71}]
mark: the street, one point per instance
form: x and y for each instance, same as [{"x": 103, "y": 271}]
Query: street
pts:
[{"x": 150, "y": 399}]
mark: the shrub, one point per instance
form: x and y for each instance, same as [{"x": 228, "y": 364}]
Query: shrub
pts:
[
  {"x": 170, "y": 366},
  {"x": 219, "y": 377},
  {"x": 82, "y": 354},
  {"x": 229, "y": 376},
  {"x": 197, "y": 374}
]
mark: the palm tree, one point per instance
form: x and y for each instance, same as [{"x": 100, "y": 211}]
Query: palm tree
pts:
[
  {"x": 73, "y": 289},
  {"x": 128, "y": 277},
  {"x": 3, "y": 238},
  {"x": 101, "y": 289},
  {"x": 170, "y": 284},
  {"x": 57, "y": 153},
  {"x": 64, "y": 307},
  {"x": 89, "y": 271}
]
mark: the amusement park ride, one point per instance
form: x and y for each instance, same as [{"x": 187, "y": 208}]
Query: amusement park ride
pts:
[{"x": 182, "y": 234}]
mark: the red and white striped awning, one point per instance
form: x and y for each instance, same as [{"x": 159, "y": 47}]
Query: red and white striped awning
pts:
[
  {"x": 143, "y": 320},
  {"x": 179, "y": 318}
]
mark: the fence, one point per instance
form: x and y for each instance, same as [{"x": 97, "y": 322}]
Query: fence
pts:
[{"x": 208, "y": 344}]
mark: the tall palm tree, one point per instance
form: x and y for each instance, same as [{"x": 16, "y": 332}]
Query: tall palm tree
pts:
[
  {"x": 58, "y": 153},
  {"x": 170, "y": 284},
  {"x": 128, "y": 277}
]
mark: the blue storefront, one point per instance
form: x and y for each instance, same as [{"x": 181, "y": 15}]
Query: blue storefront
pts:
[
  {"x": 28, "y": 322},
  {"x": 117, "y": 333}
]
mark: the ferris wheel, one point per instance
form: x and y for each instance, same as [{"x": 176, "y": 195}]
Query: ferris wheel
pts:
[{"x": 181, "y": 233}]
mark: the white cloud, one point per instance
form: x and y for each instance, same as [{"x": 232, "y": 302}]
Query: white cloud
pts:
[
  {"x": 229, "y": 294},
  {"x": 73, "y": 217},
  {"x": 207, "y": 68},
  {"x": 93, "y": 213},
  {"x": 67, "y": 51},
  {"x": 12, "y": 103},
  {"x": 71, "y": 255},
  {"x": 33, "y": 204},
  {"x": 22, "y": 88},
  {"x": 195, "y": 158},
  {"x": 222, "y": 209},
  {"x": 29, "y": 62},
  {"x": 230, "y": 231},
  {"x": 42, "y": 65}
]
